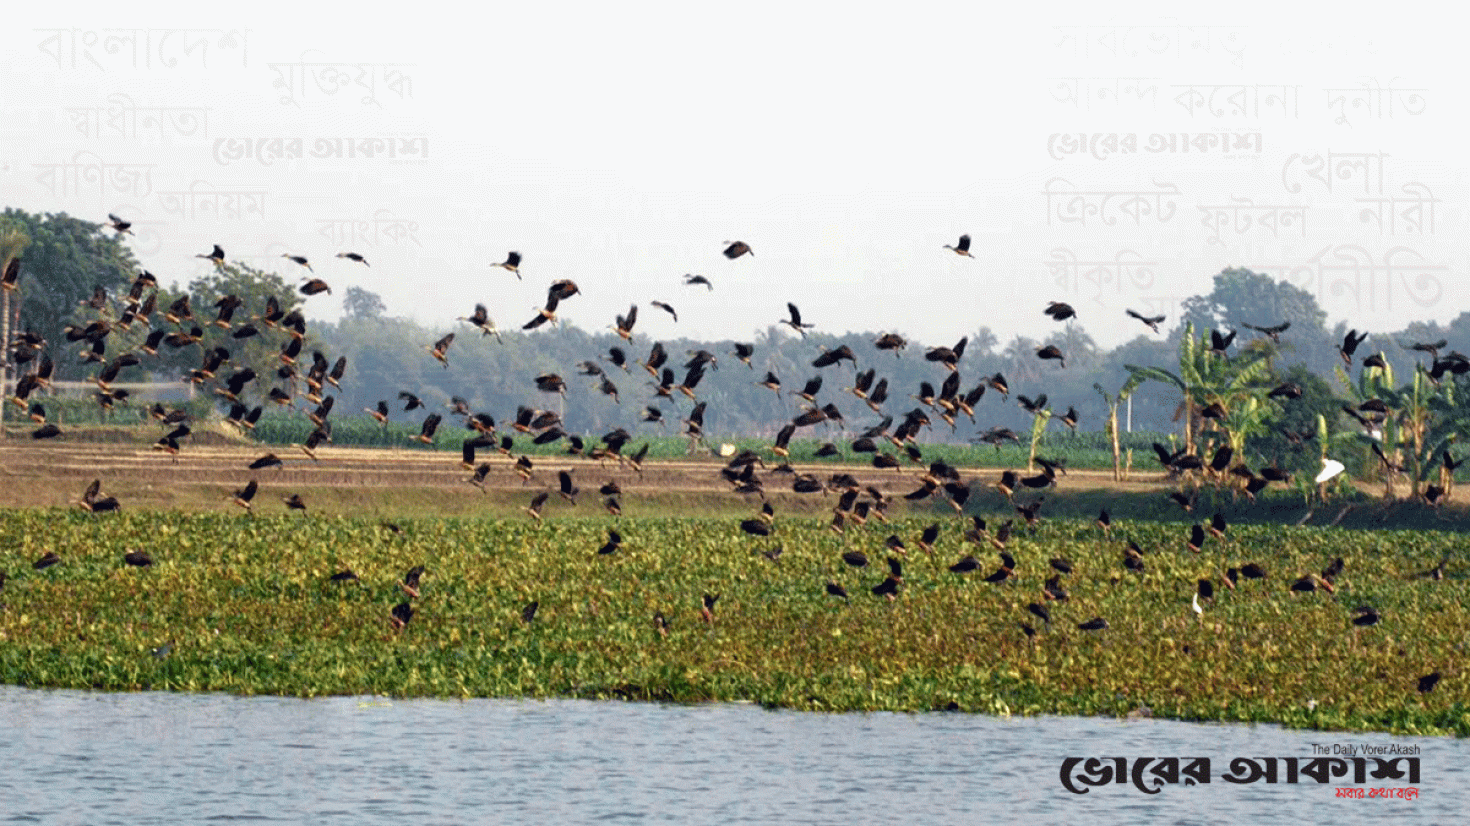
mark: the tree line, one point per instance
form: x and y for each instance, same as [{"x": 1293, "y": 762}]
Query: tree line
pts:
[{"x": 1154, "y": 382}]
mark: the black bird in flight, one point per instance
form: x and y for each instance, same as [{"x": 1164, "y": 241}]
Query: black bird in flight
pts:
[
  {"x": 1040, "y": 611},
  {"x": 547, "y": 313},
  {"x": 1217, "y": 526},
  {"x": 624, "y": 324},
  {"x": 244, "y": 496},
  {"x": 948, "y": 356},
  {"x": 737, "y": 249},
  {"x": 891, "y": 341},
  {"x": 1219, "y": 344},
  {"x": 1059, "y": 311},
  {"x": 756, "y": 527},
  {"x": 1205, "y": 589},
  {"x": 441, "y": 349},
  {"x": 618, "y": 358},
  {"x": 1070, "y": 418},
  {"x": 431, "y": 424},
  {"x": 352, "y": 256},
  {"x": 887, "y": 588},
  {"x": 534, "y": 509},
  {"x": 119, "y": 224},
  {"x": 410, "y": 583},
  {"x": 1051, "y": 351},
  {"x": 1273, "y": 332},
  {"x": 299, "y": 259},
  {"x": 567, "y": 490},
  {"x": 614, "y": 541},
  {"x": 1152, "y": 321},
  {"x": 693, "y": 280},
  {"x": 562, "y": 289},
  {"x": 94, "y": 502},
  {"x": 268, "y": 460},
  {"x": 928, "y": 538},
  {"x": 962, "y": 248},
  {"x": 795, "y": 321},
  {"x": 315, "y": 286},
  {"x": 481, "y": 320},
  {"x": 1350, "y": 344},
  {"x": 1196, "y": 538},
  {"x": 1285, "y": 391},
  {"x": 831, "y": 357},
  {"x": 1431, "y": 348},
  {"x": 512, "y": 262}
]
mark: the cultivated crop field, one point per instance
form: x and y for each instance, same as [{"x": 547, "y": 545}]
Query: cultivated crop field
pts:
[{"x": 247, "y": 603}]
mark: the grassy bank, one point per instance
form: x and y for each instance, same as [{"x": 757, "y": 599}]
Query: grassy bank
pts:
[{"x": 242, "y": 604}]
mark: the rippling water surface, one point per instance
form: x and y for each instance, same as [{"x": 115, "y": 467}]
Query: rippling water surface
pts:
[{"x": 77, "y": 757}]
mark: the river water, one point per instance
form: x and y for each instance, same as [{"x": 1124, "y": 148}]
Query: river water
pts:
[{"x": 69, "y": 757}]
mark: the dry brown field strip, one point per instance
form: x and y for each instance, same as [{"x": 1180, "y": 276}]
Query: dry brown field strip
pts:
[{"x": 51, "y": 475}]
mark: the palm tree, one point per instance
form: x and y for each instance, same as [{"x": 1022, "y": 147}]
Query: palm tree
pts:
[
  {"x": 982, "y": 342},
  {"x": 1081, "y": 350},
  {"x": 1020, "y": 361}
]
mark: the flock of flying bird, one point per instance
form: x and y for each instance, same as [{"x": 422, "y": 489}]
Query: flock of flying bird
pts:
[{"x": 857, "y": 503}]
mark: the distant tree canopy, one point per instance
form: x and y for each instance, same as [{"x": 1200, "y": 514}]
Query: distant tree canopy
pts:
[
  {"x": 66, "y": 259},
  {"x": 1241, "y": 296},
  {"x": 253, "y": 287},
  {"x": 360, "y": 304},
  {"x": 13, "y": 241}
]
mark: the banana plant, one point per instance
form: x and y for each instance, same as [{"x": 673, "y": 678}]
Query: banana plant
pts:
[
  {"x": 1423, "y": 419},
  {"x": 1111, "y": 427},
  {"x": 1038, "y": 428},
  {"x": 1376, "y": 383},
  {"x": 1205, "y": 378}
]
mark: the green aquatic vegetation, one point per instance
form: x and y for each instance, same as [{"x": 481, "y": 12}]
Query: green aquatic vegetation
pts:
[{"x": 246, "y": 604}]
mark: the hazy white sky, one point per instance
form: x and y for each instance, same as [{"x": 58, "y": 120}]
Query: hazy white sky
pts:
[{"x": 620, "y": 146}]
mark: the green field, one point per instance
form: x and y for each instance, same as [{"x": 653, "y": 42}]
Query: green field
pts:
[{"x": 245, "y": 604}]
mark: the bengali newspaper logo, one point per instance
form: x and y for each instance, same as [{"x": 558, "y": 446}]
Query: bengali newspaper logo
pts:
[{"x": 1151, "y": 774}]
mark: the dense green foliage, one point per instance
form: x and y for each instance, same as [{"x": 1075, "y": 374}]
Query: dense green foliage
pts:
[
  {"x": 65, "y": 259},
  {"x": 245, "y": 604}
]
